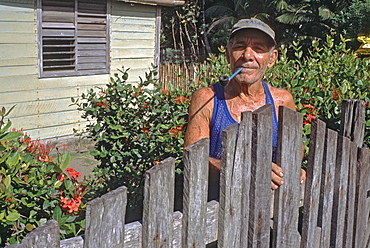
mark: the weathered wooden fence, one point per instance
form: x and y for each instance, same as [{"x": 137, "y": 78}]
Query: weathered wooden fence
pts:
[{"x": 336, "y": 194}]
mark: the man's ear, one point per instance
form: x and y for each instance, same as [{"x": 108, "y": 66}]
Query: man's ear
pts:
[{"x": 273, "y": 58}]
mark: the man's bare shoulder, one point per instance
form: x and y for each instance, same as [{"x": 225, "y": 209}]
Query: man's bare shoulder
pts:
[{"x": 282, "y": 97}]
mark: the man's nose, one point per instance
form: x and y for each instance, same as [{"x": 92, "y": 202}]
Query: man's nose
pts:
[{"x": 248, "y": 53}]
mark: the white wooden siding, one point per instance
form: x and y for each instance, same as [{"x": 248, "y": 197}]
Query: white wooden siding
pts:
[
  {"x": 42, "y": 105},
  {"x": 133, "y": 31}
]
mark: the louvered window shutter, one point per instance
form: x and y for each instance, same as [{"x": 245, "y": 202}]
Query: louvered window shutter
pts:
[{"x": 74, "y": 38}]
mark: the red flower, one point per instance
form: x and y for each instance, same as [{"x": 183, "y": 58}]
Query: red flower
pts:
[
  {"x": 144, "y": 129},
  {"x": 181, "y": 99},
  {"x": 157, "y": 161},
  {"x": 61, "y": 177},
  {"x": 73, "y": 173},
  {"x": 310, "y": 117},
  {"x": 309, "y": 106},
  {"x": 102, "y": 104},
  {"x": 174, "y": 132},
  {"x": 335, "y": 94},
  {"x": 70, "y": 204}
]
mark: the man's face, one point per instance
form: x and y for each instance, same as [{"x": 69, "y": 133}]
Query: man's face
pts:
[{"x": 253, "y": 50}]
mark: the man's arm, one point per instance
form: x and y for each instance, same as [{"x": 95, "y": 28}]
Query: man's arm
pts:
[{"x": 200, "y": 116}]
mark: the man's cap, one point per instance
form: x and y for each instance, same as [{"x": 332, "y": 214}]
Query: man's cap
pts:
[{"x": 254, "y": 24}]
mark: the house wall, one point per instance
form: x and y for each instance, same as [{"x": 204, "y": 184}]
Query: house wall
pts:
[{"x": 42, "y": 105}]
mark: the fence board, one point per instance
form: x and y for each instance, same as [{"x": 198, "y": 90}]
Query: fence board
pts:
[
  {"x": 246, "y": 124},
  {"x": 159, "y": 204},
  {"x": 313, "y": 182},
  {"x": 230, "y": 189},
  {"x": 105, "y": 220},
  {"x": 195, "y": 194},
  {"x": 353, "y": 120},
  {"x": 287, "y": 196},
  {"x": 362, "y": 213},
  {"x": 340, "y": 192},
  {"x": 46, "y": 235},
  {"x": 133, "y": 235},
  {"x": 351, "y": 194},
  {"x": 327, "y": 187},
  {"x": 260, "y": 192}
]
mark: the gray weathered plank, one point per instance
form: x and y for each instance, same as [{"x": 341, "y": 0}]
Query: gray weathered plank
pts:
[
  {"x": 362, "y": 213},
  {"x": 340, "y": 192},
  {"x": 105, "y": 220},
  {"x": 260, "y": 191},
  {"x": 159, "y": 204},
  {"x": 353, "y": 120},
  {"x": 195, "y": 194},
  {"x": 246, "y": 124},
  {"x": 230, "y": 188},
  {"x": 351, "y": 194},
  {"x": 327, "y": 187},
  {"x": 75, "y": 242},
  {"x": 287, "y": 196},
  {"x": 313, "y": 183},
  {"x": 46, "y": 235}
]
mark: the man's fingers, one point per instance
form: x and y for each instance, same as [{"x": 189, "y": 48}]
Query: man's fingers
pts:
[
  {"x": 303, "y": 175},
  {"x": 276, "y": 176},
  {"x": 277, "y": 170}
]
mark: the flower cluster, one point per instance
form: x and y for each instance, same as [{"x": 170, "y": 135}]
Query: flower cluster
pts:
[
  {"x": 310, "y": 115},
  {"x": 71, "y": 204},
  {"x": 40, "y": 150}
]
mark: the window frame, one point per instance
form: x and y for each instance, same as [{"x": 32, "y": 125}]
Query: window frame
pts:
[{"x": 77, "y": 46}]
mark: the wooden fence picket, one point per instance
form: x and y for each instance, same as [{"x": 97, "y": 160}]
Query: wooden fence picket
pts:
[
  {"x": 230, "y": 190},
  {"x": 340, "y": 189},
  {"x": 195, "y": 194},
  {"x": 46, "y": 235},
  {"x": 351, "y": 193},
  {"x": 362, "y": 224},
  {"x": 105, "y": 220},
  {"x": 353, "y": 120},
  {"x": 245, "y": 132},
  {"x": 159, "y": 204},
  {"x": 287, "y": 196},
  {"x": 327, "y": 187},
  {"x": 260, "y": 192},
  {"x": 310, "y": 233}
]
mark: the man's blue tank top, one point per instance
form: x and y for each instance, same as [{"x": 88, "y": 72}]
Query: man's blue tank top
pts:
[{"x": 222, "y": 119}]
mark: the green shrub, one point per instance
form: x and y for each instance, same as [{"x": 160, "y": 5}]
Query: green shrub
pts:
[
  {"x": 321, "y": 81},
  {"x": 35, "y": 187},
  {"x": 134, "y": 126}
]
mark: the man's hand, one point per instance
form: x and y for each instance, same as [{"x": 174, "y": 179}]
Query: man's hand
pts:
[{"x": 277, "y": 176}]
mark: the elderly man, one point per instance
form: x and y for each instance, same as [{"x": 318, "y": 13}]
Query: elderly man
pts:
[{"x": 252, "y": 47}]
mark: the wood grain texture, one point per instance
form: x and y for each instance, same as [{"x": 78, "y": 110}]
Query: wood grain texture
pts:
[
  {"x": 288, "y": 196},
  {"x": 260, "y": 191},
  {"x": 195, "y": 194},
  {"x": 159, "y": 204},
  {"x": 105, "y": 220},
  {"x": 313, "y": 183},
  {"x": 327, "y": 187}
]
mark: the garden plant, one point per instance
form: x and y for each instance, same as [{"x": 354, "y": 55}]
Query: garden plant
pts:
[{"x": 35, "y": 186}]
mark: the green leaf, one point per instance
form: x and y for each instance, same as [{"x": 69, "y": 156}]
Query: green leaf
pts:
[
  {"x": 7, "y": 180},
  {"x": 10, "y": 136},
  {"x": 57, "y": 213},
  {"x": 13, "y": 216},
  {"x": 65, "y": 161}
]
